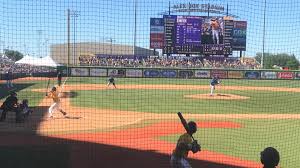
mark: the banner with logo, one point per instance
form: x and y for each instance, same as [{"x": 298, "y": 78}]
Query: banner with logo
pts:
[
  {"x": 134, "y": 73},
  {"x": 79, "y": 72},
  {"x": 219, "y": 73},
  {"x": 239, "y": 35},
  {"x": 252, "y": 75},
  {"x": 202, "y": 74},
  {"x": 116, "y": 72},
  {"x": 169, "y": 73},
  {"x": 268, "y": 75},
  {"x": 157, "y": 33},
  {"x": 285, "y": 75},
  {"x": 152, "y": 73},
  {"x": 98, "y": 72},
  {"x": 185, "y": 74},
  {"x": 297, "y": 75},
  {"x": 235, "y": 74}
]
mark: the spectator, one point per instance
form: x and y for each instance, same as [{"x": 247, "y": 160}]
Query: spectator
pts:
[{"x": 178, "y": 62}]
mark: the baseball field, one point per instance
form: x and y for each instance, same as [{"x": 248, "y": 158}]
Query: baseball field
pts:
[{"x": 137, "y": 122}]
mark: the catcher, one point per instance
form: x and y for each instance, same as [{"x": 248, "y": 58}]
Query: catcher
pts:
[
  {"x": 56, "y": 102},
  {"x": 185, "y": 144}
]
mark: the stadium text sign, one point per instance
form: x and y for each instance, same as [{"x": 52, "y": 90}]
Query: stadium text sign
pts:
[{"x": 194, "y": 7}]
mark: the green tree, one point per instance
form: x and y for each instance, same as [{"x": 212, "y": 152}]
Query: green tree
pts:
[
  {"x": 281, "y": 60},
  {"x": 293, "y": 64},
  {"x": 13, "y": 55}
]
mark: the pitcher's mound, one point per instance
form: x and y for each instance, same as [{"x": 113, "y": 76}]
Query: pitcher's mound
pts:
[{"x": 217, "y": 96}]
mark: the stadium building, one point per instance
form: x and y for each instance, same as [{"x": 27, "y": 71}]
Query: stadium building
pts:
[{"x": 59, "y": 52}]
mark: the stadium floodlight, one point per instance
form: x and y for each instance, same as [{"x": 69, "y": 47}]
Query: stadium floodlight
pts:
[
  {"x": 74, "y": 15},
  {"x": 45, "y": 44},
  {"x": 39, "y": 32},
  {"x": 71, "y": 14},
  {"x": 110, "y": 40},
  {"x": 264, "y": 33}
]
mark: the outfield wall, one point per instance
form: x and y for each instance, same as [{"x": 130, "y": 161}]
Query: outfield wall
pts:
[
  {"x": 182, "y": 73},
  {"x": 169, "y": 73}
]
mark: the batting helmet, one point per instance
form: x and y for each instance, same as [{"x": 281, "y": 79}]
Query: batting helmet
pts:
[
  {"x": 192, "y": 127},
  {"x": 269, "y": 157},
  {"x": 54, "y": 88}
]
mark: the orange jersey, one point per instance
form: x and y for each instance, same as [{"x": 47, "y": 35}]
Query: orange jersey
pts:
[
  {"x": 186, "y": 139},
  {"x": 214, "y": 25},
  {"x": 54, "y": 96}
]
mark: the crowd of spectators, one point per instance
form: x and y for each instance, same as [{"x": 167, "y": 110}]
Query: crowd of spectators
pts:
[
  {"x": 178, "y": 62},
  {"x": 7, "y": 65}
]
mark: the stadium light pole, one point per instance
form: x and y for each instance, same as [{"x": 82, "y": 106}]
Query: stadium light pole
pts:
[
  {"x": 25, "y": 49},
  {"x": 110, "y": 40},
  {"x": 39, "y": 41},
  {"x": 68, "y": 34},
  {"x": 45, "y": 44},
  {"x": 264, "y": 29},
  {"x": 74, "y": 15},
  {"x": 2, "y": 46},
  {"x": 134, "y": 35}
]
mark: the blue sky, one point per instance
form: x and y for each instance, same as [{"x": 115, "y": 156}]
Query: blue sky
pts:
[{"x": 31, "y": 26}]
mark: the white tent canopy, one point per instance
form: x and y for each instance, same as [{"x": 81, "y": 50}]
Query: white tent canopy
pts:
[{"x": 45, "y": 61}]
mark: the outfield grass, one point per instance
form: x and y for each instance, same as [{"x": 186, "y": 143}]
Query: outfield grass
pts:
[
  {"x": 253, "y": 137},
  {"x": 171, "y": 101}
]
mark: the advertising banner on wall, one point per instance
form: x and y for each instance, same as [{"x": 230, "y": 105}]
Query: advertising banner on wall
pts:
[
  {"x": 169, "y": 73},
  {"x": 134, "y": 73},
  {"x": 268, "y": 75},
  {"x": 98, "y": 72},
  {"x": 152, "y": 73},
  {"x": 185, "y": 74},
  {"x": 79, "y": 72},
  {"x": 202, "y": 74},
  {"x": 235, "y": 74},
  {"x": 285, "y": 75},
  {"x": 219, "y": 73},
  {"x": 297, "y": 75},
  {"x": 252, "y": 75},
  {"x": 116, "y": 72}
]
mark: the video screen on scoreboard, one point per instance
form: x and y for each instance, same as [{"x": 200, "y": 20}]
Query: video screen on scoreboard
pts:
[{"x": 195, "y": 35}]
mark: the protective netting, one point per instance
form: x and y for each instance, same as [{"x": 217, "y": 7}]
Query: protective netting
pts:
[{"x": 105, "y": 80}]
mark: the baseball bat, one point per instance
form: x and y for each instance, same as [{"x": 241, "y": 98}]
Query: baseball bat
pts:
[
  {"x": 184, "y": 123},
  {"x": 48, "y": 86}
]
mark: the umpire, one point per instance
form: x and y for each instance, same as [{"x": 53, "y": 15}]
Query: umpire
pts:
[{"x": 10, "y": 104}]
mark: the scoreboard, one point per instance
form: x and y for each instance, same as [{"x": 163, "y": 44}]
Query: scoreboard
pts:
[
  {"x": 188, "y": 34},
  {"x": 201, "y": 35}
]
